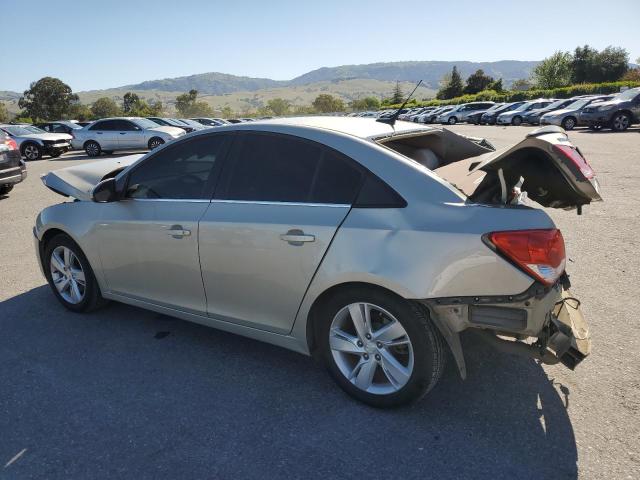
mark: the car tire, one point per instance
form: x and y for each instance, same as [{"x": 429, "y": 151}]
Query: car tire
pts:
[
  {"x": 516, "y": 121},
  {"x": 5, "y": 189},
  {"x": 92, "y": 148},
  {"x": 155, "y": 142},
  {"x": 376, "y": 373},
  {"x": 452, "y": 121},
  {"x": 620, "y": 122},
  {"x": 70, "y": 267},
  {"x": 569, "y": 123},
  {"x": 31, "y": 151}
]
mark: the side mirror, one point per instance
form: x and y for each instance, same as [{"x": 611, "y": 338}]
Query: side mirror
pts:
[{"x": 106, "y": 191}]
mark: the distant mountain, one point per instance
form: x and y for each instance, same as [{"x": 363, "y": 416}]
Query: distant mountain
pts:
[
  {"x": 212, "y": 83},
  {"x": 430, "y": 72}
]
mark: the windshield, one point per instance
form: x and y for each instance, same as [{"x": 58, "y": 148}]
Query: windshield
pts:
[
  {"x": 145, "y": 123},
  {"x": 557, "y": 103},
  {"x": 497, "y": 106},
  {"x": 522, "y": 107},
  {"x": 33, "y": 129},
  {"x": 628, "y": 94},
  {"x": 19, "y": 131},
  {"x": 578, "y": 104}
]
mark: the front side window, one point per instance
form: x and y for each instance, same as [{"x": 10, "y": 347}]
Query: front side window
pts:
[
  {"x": 281, "y": 168},
  {"x": 106, "y": 125},
  {"x": 184, "y": 171}
]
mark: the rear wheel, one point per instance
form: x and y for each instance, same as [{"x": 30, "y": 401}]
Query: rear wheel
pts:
[
  {"x": 517, "y": 120},
  {"x": 31, "y": 151},
  {"x": 379, "y": 348},
  {"x": 70, "y": 276},
  {"x": 620, "y": 122},
  {"x": 452, "y": 121},
  {"x": 569, "y": 123},
  {"x": 92, "y": 148},
  {"x": 4, "y": 189}
]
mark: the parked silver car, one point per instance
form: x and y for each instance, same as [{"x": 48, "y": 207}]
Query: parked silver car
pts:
[
  {"x": 567, "y": 117},
  {"x": 122, "y": 133},
  {"x": 334, "y": 236},
  {"x": 460, "y": 113},
  {"x": 34, "y": 142},
  {"x": 514, "y": 117}
]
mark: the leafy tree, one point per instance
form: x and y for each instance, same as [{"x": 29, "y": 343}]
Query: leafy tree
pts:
[
  {"x": 326, "y": 103},
  {"x": 79, "y": 111},
  {"x": 451, "y": 85},
  {"x": 188, "y": 106},
  {"x": 583, "y": 64},
  {"x": 278, "y": 106},
  {"x": 105, "y": 107},
  {"x": 521, "y": 84},
  {"x": 227, "y": 112},
  {"x": 367, "y": 103},
  {"x": 632, "y": 75},
  {"x": 611, "y": 64},
  {"x": 496, "y": 86},
  {"x": 4, "y": 114},
  {"x": 553, "y": 71},
  {"x": 129, "y": 102},
  {"x": 477, "y": 82},
  {"x": 303, "y": 110},
  {"x": 398, "y": 94},
  {"x": 47, "y": 99}
]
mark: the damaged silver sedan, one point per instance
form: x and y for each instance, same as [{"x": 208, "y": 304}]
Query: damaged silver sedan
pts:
[{"x": 369, "y": 245}]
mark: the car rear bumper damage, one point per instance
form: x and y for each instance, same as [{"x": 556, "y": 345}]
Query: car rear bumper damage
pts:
[{"x": 544, "y": 323}]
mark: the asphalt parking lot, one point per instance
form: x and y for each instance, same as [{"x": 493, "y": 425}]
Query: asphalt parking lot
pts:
[{"x": 128, "y": 393}]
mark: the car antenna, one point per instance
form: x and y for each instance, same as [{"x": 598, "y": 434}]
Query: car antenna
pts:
[{"x": 392, "y": 119}]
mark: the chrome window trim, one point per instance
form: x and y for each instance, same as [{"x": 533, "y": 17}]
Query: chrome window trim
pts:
[
  {"x": 272, "y": 202},
  {"x": 187, "y": 200}
]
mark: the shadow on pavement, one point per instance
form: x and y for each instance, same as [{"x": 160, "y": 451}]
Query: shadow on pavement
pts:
[{"x": 128, "y": 393}]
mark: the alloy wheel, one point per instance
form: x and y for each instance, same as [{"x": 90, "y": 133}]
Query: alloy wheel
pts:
[
  {"x": 371, "y": 348},
  {"x": 92, "y": 149},
  {"x": 31, "y": 152},
  {"x": 155, "y": 143},
  {"x": 569, "y": 123},
  {"x": 621, "y": 122},
  {"x": 67, "y": 274}
]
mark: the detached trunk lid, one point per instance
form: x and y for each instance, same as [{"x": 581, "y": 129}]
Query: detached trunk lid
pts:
[{"x": 78, "y": 181}]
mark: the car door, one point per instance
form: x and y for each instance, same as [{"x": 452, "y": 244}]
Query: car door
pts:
[
  {"x": 129, "y": 135},
  {"x": 635, "y": 108},
  {"x": 104, "y": 133},
  {"x": 278, "y": 205},
  {"x": 149, "y": 240}
]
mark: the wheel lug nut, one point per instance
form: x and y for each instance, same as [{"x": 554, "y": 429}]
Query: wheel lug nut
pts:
[
  {"x": 368, "y": 335},
  {"x": 377, "y": 357},
  {"x": 366, "y": 356},
  {"x": 360, "y": 343},
  {"x": 379, "y": 344}
]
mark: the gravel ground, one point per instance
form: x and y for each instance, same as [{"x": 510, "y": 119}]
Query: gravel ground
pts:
[{"x": 126, "y": 393}]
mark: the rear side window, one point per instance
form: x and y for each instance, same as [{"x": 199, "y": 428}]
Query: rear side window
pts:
[
  {"x": 104, "y": 125},
  {"x": 184, "y": 171},
  {"x": 282, "y": 168}
]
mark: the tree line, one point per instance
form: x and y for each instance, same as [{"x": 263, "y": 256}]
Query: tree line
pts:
[{"x": 584, "y": 65}]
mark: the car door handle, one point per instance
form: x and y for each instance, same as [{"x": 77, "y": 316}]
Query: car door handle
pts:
[
  {"x": 123, "y": 133},
  {"x": 176, "y": 231},
  {"x": 297, "y": 237}
]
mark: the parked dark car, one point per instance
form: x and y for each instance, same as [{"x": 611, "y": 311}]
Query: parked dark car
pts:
[
  {"x": 489, "y": 117},
  {"x": 533, "y": 117},
  {"x": 618, "y": 114},
  {"x": 60, "y": 126},
  {"x": 12, "y": 168}
]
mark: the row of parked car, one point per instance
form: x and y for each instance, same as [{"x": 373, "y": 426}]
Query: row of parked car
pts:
[
  {"x": 615, "y": 111},
  {"x": 105, "y": 135}
]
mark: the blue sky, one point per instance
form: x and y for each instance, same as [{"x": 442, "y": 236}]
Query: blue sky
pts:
[{"x": 109, "y": 43}]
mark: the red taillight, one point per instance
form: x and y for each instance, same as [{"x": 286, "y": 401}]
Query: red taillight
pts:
[
  {"x": 540, "y": 253},
  {"x": 11, "y": 143},
  {"x": 578, "y": 160}
]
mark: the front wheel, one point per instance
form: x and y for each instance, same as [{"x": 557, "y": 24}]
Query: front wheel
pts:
[
  {"x": 516, "y": 121},
  {"x": 5, "y": 189},
  {"x": 31, "y": 151},
  {"x": 155, "y": 142},
  {"x": 569, "y": 123},
  {"x": 70, "y": 276},
  {"x": 452, "y": 121},
  {"x": 379, "y": 348},
  {"x": 620, "y": 122},
  {"x": 92, "y": 148}
]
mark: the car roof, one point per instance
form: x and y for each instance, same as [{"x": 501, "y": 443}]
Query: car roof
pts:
[{"x": 361, "y": 127}]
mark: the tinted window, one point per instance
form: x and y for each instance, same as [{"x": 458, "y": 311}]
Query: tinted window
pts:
[
  {"x": 104, "y": 125},
  {"x": 124, "y": 126},
  {"x": 280, "y": 168},
  {"x": 182, "y": 171}
]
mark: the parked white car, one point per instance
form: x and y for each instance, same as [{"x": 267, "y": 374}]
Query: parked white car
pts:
[
  {"x": 34, "y": 142},
  {"x": 123, "y": 133}
]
